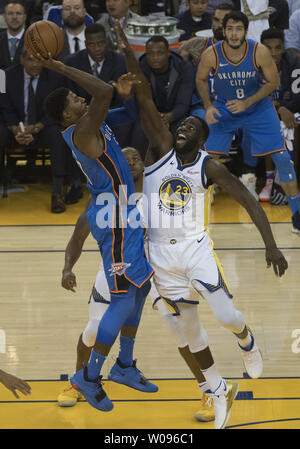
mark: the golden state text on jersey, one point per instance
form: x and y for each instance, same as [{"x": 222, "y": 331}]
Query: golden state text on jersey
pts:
[
  {"x": 175, "y": 193},
  {"x": 178, "y": 198}
]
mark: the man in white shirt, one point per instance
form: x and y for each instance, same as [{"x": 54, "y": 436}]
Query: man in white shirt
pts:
[{"x": 11, "y": 40}]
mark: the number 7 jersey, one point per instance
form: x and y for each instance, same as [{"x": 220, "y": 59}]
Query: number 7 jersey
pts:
[{"x": 236, "y": 81}]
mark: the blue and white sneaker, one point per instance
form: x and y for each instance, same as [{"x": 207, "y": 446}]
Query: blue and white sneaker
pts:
[
  {"x": 92, "y": 390},
  {"x": 131, "y": 376}
]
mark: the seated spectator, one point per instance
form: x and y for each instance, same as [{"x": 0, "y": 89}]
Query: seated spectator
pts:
[
  {"x": 27, "y": 85},
  {"x": 194, "y": 19},
  {"x": 94, "y": 9},
  {"x": 73, "y": 17},
  {"x": 12, "y": 39},
  {"x": 55, "y": 14},
  {"x": 172, "y": 85},
  {"x": 107, "y": 64},
  {"x": 116, "y": 9},
  {"x": 171, "y": 80},
  {"x": 292, "y": 34}
]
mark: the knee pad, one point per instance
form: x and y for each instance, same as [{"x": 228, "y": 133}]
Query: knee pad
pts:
[
  {"x": 284, "y": 165},
  {"x": 90, "y": 332},
  {"x": 172, "y": 323},
  {"x": 191, "y": 327}
]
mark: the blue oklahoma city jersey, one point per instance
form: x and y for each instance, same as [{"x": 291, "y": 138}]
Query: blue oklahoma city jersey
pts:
[
  {"x": 110, "y": 182},
  {"x": 236, "y": 81}
]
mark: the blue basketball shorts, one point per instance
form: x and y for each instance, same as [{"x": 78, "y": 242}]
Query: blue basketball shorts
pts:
[
  {"x": 261, "y": 125},
  {"x": 124, "y": 260}
]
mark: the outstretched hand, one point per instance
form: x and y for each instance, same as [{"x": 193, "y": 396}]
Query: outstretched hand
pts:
[
  {"x": 275, "y": 257},
  {"x": 125, "y": 84}
]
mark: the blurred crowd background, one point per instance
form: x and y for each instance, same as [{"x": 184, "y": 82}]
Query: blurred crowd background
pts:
[{"x": 168, "y": 38}]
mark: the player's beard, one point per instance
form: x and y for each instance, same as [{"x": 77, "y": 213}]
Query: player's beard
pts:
[
  {"x": 188, "y": 146},
  {"x": 74, "y": 22},
  {"x": 237, "y": 46}
]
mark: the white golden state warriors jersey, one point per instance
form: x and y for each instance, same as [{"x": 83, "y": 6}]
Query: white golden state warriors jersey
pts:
[{"x": 176, "y": 198}]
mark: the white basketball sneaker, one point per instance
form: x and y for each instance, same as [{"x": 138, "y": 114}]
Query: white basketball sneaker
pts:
[
  {"x": 252, "y": 359},
  {"x": 223, "y": 399},
  {"x": 249, "y": 181}
]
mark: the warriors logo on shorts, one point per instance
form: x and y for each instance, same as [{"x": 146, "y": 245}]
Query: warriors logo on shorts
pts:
[{"x": 175, "y": 193}]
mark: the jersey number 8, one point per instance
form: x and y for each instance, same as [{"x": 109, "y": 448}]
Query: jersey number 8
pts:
[{"x": 240, "y": 93}]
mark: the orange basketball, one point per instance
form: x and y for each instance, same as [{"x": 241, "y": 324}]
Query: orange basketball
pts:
[{"x": 43, "y": 37}]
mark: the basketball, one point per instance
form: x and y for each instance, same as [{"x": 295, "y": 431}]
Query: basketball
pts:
[{"x": 43, "y": 37}]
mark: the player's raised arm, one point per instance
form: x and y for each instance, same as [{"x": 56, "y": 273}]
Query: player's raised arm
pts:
[
  {"x": 86, "y": 136},
  {"x": 159, "y": 137},
  {"x": 218, "y": 173}
]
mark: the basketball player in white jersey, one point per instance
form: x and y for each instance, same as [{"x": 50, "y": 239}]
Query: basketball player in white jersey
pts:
[{"x": 177, "y": 187}]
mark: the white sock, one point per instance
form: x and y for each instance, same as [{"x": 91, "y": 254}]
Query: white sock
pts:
[
  {"x": 212, "y": 377},
  {"x": 244, "y": 342}
]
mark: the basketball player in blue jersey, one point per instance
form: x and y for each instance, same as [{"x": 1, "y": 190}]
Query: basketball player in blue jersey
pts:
[
  {"x": 241, "y": 102},
  {"x": 177, "y": 185},
  {"x": 111, "y": 185},
  {"x": 99, "y": 302},
  {"x": 124, "y": 370},
  {"x": 220, "y": 12}
]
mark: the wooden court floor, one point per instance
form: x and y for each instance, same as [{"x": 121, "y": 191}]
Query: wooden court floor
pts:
[{"x": 40, "y": 324}]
